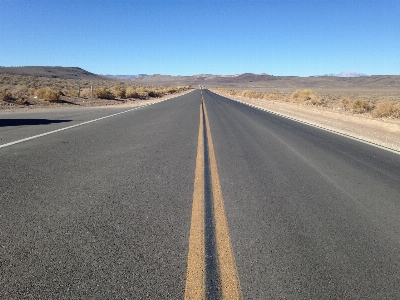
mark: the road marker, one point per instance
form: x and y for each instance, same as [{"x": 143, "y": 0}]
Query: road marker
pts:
[
  {"x": 196, "y": 269},
  {"x": 195, "y": 275}
]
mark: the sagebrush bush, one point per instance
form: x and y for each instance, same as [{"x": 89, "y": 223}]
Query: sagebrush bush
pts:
[
  {"x": 137, "y": 93},
  {"x": 171, "y": 90},
  {"x": 154, "y": 93},
  {"x": 386, "y": 110},
  {"x": 86, "y": 93},
  {"x": 131, "y": 92},
  {"x": 6, "y": 96},
  {"x": 255, "y": 95},
  {"x": 72, "y": 93},
  {"x": 119, "y": 91},
  {"x": 104, "y": 93},
  {"x": 306, "y": 97},
  {"x": 345, "y": 103},
  {"x": 251, "y": 94},
  {"x": 48, "y": 94},
  {"x": 360, "y": 106}
]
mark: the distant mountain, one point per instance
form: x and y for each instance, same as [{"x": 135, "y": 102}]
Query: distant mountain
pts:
[
  {"x": 126, "y": 77},
  {"x": 274, "y": 83},
  {"x": 347, "y": 74},
  {"x": 51, "y": 72}
]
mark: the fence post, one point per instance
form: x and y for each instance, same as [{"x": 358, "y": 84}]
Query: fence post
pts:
[
  {"x": 79, "y": 88},
  {"x": 91, "y": 91}
]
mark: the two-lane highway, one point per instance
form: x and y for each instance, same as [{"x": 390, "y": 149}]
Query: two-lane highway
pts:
[{"x": 197, "y": 197}]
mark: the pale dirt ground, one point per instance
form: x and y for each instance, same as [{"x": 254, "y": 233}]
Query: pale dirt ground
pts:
[{"x": 384, "y": 132}]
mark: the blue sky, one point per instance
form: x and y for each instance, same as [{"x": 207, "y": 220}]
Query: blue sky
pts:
[{"x": 276, "y": 37}]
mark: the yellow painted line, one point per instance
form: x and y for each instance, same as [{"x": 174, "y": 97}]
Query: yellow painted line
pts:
[
  {"x": 196, "y": 269},
  {"x": 195, "y": 274},
  {"x": 230, "y": 284}
]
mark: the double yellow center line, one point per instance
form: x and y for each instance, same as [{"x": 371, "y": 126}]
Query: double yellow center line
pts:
[{"x": 198, "y": 269}]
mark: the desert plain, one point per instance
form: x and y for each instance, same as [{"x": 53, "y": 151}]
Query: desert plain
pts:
[{"x": 366, "y": 108}]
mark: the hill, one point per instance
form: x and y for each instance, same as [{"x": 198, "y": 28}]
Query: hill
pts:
[
  {"x": 52, "y": 72},
  {"x": 270, "y": 82}
]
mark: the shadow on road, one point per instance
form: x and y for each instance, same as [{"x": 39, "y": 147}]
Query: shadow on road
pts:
[{"x": 24, "y": 122}]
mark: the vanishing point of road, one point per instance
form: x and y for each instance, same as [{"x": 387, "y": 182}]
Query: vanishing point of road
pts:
[{"x": 196, "y": 197}]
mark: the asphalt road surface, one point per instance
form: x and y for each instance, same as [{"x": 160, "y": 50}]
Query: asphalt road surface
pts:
[{"x": 197, "y": 195}]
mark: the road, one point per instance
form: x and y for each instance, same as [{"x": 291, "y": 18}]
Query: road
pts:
[{"x": 197, "y": 196}]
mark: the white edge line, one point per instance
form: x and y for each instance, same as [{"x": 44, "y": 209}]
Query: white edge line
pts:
[
  {"x": 316, "y": 126},
  {"x": 80, "y": 124}
]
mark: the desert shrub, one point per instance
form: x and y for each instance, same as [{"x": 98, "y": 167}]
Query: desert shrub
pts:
[
  {"x": 386, "y": 110},
  {"x": 131, "y": 92},
  {"x": 6, "y": 96},
  {"x": 306, "y": 97},
  {"x": 48, "y": 94},
  {"x": 170, "y": 90},
  {"x": 143, "y": 95},
  {"x": 360, "y": 106},
  {"x": 85, "y": 93},
  {"x": 345, "y": 103},
  {"x": 255, "y": 95},
  {"x": 119, "y": 91},
  {"x": 154, "y": 93},
  {"x": 251, "y": 94},
  {"x": 136, "y": 93},
  {"x": 72, "y": 93},
  {"x": 104, "y": 93},
  {"x": 22, "y": 101}
]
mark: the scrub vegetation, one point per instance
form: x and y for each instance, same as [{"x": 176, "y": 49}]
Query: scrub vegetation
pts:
[
  {"x": 23, "y": 89},
  {"x": 48, "y": 94},
  {"x": 376, "y": 108}
]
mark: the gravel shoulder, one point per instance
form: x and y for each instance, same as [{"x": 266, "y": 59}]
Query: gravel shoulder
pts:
[{"x": 384, "y": 132}]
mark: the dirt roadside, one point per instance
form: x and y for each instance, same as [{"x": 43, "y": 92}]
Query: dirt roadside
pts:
[
  {"x": 68, "y": 102},
  {"x": 384, "y": 132}
]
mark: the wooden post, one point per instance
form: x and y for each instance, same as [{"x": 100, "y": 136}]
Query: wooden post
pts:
[
  {"x": 91, "y": 90},
  {"x": 79, "y": 88}
]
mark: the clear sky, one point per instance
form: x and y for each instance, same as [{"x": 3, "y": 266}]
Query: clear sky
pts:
[{"x": 277, "y": 37}]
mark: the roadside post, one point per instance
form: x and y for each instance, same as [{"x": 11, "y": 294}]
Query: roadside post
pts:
[{"x": 91, "y": 92}]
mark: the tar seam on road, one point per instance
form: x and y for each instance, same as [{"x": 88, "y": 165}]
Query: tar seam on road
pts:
[{"x": 211, "y": 271}]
